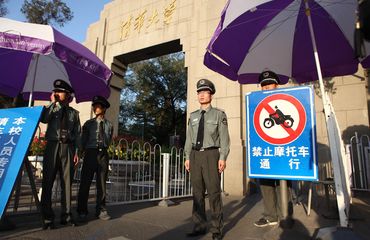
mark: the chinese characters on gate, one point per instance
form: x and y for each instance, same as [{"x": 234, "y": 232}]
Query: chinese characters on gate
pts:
[
  {"x": 147, "y": 19},
  {"x": 10, "y": 131},
  {"x": 267, "y": 154}
]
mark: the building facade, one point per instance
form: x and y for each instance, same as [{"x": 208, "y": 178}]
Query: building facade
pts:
[{"x": 131, "y": 31}]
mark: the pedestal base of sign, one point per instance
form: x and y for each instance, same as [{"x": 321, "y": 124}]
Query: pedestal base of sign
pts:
[
  {"x": 166, "y": 203},
  {"x": 336, "y": 233}
]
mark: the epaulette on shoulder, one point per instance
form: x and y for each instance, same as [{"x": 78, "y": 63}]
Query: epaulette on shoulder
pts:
[
  {"x": 195, "y": 111},
  {"x": 73, "y": 110},
  {"x": 90, "y": 120},
  {"x": 220, "y": 109}
]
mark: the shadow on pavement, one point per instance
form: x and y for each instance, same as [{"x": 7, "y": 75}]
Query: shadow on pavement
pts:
[{"x": 26, "y": 223}]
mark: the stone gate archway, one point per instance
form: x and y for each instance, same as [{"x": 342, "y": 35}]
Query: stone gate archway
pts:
[{"x": 130, "y": 31}]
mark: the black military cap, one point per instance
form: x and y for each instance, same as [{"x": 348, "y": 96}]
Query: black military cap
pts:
[
  {"x": 205, "y": 84},
  {"x": 63, "y": 86},
  {"x": 100, "y": 100},
  {"x": 268, "y": 77}
]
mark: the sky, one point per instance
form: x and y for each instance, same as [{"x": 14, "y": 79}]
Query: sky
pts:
[{"x": 85, "y": 12}]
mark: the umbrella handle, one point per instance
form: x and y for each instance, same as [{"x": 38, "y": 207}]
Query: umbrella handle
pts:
[{"x": 33, "y": 81}]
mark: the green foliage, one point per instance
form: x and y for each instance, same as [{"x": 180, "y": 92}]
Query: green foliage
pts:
[
  {"x": 5, "y": 101},
  {"x": 3, "y": 9},
  {"x": 153, "y": 102},
  {"x": 37, "y": 146},
  {"x": 47, "y": 12},
  {"x": 122, "y": 153}
]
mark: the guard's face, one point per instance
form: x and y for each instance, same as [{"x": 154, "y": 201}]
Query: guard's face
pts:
[
  {"x": 60, "y": 96},
  {"x": 98, "y": 109},
  {"x": 269, "y": 86},
  {"x": 204, "y": 97}
]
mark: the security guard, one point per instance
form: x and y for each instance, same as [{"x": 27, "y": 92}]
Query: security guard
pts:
[
  {"x": 270, "y": 188},
  {"x": 63, "y": 139},
  {"x": 206, "y": 149},
  {"x": 96, "y": 137}
]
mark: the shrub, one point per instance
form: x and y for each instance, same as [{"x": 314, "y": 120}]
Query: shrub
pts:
[{"x": 37, "y": 146}]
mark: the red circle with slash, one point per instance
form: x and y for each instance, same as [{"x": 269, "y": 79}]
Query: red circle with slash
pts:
[{"x": 292, "y": 133}]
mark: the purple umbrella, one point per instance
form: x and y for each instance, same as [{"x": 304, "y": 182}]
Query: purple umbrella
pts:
[
  {"x": 305, "y": 40},
  {"x": 253, "y": 35},
  {"x": 32, "y": 56}
]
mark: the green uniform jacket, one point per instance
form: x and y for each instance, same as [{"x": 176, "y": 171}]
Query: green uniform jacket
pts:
[
  {"x": 216, "y": 133},
  {"x": 90, "y": 133},
  {"x": 52, "y": 115}
]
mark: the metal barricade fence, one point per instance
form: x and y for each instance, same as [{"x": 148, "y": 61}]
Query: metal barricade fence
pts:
[
  {"x": 136, "y": 174},
  {"x": 359, "y": 154}
]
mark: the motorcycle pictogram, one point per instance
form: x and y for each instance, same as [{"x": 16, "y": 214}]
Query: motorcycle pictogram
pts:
[{"x": 278, "y": 118}]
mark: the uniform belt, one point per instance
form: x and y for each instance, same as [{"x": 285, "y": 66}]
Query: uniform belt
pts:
[{"x": 205, "y": 149}]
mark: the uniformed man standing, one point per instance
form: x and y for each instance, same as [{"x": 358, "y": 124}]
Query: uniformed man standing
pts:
[
  {"x": 63, "y": 139},
  {"x": 270, "y": 188},
  {"x": 97, "y": 135},
  {"x": 206, "y": 149}
]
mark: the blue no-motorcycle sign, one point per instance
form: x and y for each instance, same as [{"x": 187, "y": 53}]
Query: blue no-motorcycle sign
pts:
[{"x": 281, "y": 134}]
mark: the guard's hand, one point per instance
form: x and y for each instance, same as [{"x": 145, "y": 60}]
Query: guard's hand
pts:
[
  {"x": 76, "y": 159},
  {"x": 52, "y": 97},
  {"x": 221, "y": 165},
  {"x": 187, "y": 165}
]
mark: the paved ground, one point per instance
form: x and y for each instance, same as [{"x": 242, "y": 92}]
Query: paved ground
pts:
[{"x": 150, "y": 221}]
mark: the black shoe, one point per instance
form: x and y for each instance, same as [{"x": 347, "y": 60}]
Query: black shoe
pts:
[
  {"x": 263, "y": 222},
  {"x": 48, "y": 225},
  {"x": 82, "y": 217},
  {"x": 197, "y": 232},
  {"x": 216, "y": 236}
]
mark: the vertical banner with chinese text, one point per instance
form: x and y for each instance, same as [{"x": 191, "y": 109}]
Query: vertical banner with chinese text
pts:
[
  {"x": 281, "y": 134},
  {"x": 17, "y": 127}
]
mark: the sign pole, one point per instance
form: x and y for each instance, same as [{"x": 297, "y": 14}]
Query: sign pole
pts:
[{"x": 284, "y": 198}]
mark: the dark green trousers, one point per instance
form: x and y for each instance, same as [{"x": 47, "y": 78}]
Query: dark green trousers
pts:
[
  {"x": 95, "y": 161},
  {"x": 270, "y": 190},
  {"x": 58, "y": 157},
  {"x": 204, "y": 176}
]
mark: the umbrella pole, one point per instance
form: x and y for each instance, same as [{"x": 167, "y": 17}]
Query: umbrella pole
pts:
[
  {"x": 336, "y": 151},
  {"x": 33, "y": 81}
]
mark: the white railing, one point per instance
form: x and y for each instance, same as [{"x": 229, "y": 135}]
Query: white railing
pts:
[
  {"x": 155, "y": 176},
  {"x": 137, "y": 173}
]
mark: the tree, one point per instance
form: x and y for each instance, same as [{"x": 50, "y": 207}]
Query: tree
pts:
[
  {"x": 3, "y": 9},
  {"x": 153, "y": 102},
  {"x": 47, "y": 12},
  {"x": 41, "y": 12}
]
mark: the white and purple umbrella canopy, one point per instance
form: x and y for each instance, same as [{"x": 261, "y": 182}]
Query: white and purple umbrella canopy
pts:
[
  {"x": 257, "y": 34},
  {"x": 306, "y": 40},
  {"x": 32, "y": 56}
]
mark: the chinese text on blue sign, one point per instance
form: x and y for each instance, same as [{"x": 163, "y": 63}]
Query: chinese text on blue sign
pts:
[
  {"x": 17, "y": 127},
  {"x": 281, "y": 135}
]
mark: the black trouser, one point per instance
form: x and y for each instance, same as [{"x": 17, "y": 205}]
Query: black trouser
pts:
[
  {"x": 95, "y": 161},
  {"x": 204, "y": 175},
  {"x": 270, "y": 190},
  {"x": 58, "y": 157}
]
